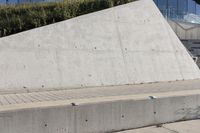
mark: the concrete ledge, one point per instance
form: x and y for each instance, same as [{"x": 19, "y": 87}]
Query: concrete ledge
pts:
[{"x": 100, "y": 114}]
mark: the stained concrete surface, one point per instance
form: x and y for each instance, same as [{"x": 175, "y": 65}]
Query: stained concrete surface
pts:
[{"x": 178, "y": 127}]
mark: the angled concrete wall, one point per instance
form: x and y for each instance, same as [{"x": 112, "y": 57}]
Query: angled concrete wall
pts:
[{"x": 128, "y": 44}]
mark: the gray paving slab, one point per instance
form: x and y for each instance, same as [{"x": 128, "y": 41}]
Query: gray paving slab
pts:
[
  {"x": 185, "y": 127},
  {"x": 148, "y": 130},
  {"x": 178, "y": 127}
]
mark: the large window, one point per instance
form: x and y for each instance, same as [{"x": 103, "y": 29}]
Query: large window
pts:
[
  {"x": 3, "y": 1},
  {"x": 191, "y": 6},
  {"x": 179, "y": 9},
  {"x": 197, "y": 9},
  {"x": 12, "y": 1},
  {"x": 172, "y": 8},
  {"x": 172, "y": 4},
  {"x": 162, "y": 4},
  {"x": 182, "y": 6}
]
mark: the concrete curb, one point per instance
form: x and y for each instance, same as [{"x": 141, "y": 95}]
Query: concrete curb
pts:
[{"x": 102, "y": 116}]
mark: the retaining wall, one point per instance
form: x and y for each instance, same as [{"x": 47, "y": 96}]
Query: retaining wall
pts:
[{"x": 100, "y": 115}]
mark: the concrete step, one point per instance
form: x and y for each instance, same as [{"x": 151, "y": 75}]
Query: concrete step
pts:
[{"x": 97, "y": 110}]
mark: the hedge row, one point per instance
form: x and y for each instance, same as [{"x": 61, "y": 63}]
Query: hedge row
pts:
[{"x": 17, "y": 18}]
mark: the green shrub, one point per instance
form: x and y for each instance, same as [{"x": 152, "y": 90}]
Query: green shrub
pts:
[{"x": 17, "y": 18}]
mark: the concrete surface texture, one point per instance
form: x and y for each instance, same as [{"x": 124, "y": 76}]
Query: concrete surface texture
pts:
[
  {"x": 128, "y": 44},
  {"x": 179, "y": 127},
  {"x": 185, "y": 31},
  {"x": 99, "y": 110}
]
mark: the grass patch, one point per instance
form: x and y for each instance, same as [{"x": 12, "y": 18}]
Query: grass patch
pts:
[{"x": 18, "y": 18}]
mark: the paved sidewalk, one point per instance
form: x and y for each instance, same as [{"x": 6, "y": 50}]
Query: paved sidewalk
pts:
[
  {"x": 179, "y": 127},
  {"x": 98, "y": 92}
]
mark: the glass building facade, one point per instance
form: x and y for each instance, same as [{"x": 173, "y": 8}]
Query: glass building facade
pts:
[{"x": 182, "y": 10}]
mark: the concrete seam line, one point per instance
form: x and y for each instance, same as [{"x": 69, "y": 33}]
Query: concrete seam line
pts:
[
  {"x": 121, "y": 44},
  {"x": 170, "y": 129}
]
